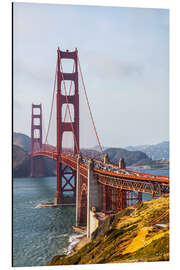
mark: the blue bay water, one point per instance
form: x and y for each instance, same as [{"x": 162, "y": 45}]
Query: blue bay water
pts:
[{"x": 41, "y": 233}]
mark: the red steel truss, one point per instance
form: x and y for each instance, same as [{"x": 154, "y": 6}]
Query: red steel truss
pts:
[{"x": 134, "y": 185}]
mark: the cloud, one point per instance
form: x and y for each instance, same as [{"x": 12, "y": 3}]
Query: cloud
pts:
[
  {"x": 32, "y": 72},
  {"x": 108, "y": 67}
]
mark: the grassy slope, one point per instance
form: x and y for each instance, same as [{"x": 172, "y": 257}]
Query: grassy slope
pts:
[{"x": 132, "y": 237}]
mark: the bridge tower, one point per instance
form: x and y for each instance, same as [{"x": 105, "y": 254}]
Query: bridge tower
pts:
[
  {"x": 66, "y": 177},
  {"x": 36, "y": 140}
]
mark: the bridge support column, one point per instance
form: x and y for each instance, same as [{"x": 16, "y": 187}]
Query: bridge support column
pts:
[
  {"x": 58, "y": 197},
  {"x": 94, "y": 196},
  {"x": 122, "y": 164},
  {"x": 104, "y": 198},
  {"x": 77, "y": 189}
]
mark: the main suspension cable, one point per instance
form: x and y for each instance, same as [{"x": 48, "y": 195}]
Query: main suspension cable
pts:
[{"x": 52, "y": 104}]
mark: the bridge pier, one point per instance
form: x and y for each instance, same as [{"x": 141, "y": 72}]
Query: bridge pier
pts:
[
  {"x": 66, "y": 185},
  {"x": 94, "y": 196},
  {"x": 77, "y": 189},
  {"x": 58, "y": 196}
]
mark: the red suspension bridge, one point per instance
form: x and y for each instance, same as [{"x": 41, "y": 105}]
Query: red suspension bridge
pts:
[{"x": 93, "y": 183}]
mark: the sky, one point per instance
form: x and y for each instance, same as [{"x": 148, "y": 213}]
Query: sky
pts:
[{"x": 124, "y": 55}]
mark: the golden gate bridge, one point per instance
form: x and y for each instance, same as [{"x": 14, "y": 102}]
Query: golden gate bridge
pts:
[{"x": 93, "y": 183}]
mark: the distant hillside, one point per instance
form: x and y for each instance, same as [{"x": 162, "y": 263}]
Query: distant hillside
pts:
[
  {"x": 131, "y": 157},
  {"x": 21, "y": 164},
  {"x": 156, "y": 151},
  {"x": 22, "y": 141},
  {"x": 135, "y": 159}
]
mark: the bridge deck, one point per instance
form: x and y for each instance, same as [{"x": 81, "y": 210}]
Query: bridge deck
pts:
[{"x": 109, "y": 170}]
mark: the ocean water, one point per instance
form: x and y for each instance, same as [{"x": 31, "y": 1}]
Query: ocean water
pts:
[{"x": 41, "y": 233}]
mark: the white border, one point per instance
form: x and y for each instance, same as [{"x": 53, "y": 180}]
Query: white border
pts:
[
  {"x": 122, "y": 3},
  {"x": 5, "y": 71}
]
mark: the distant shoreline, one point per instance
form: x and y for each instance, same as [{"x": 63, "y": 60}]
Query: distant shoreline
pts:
[{"x": 145, "y": 167}]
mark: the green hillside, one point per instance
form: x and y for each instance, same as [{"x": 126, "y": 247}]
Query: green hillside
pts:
[{"x": 136, "y": 234}]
